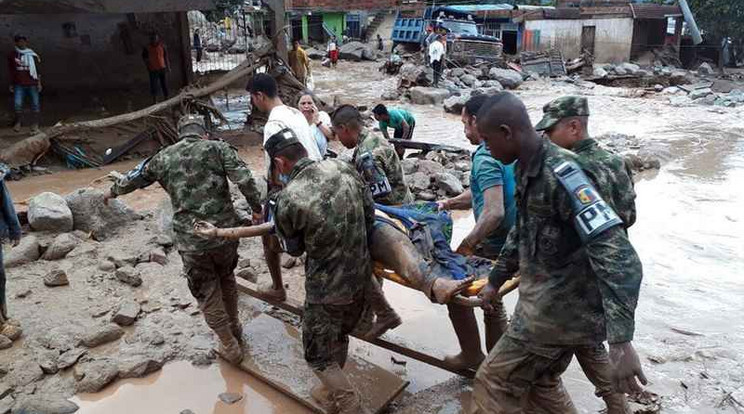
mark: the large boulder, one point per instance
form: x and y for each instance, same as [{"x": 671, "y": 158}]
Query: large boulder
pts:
[
  {"x": 27, "y": 251},
  {"x": 61, "y": 245},
  {"x": 44, "y": 403},
  {"x": 630, "y": 68},
  {"x": 454, "y": 104},
  {"x": 356, "y": 51},
  {"x": 428, "y": 96},
  {"x": 700, "y": 93},
  {"x": 315, "y": 54},
  {"x": 102, "y": 335},
  {"x": 49, "y": 212},
  {"x": 468, "y": 80},
  {"x": 91, "y": 215},
  {"x": 415, "y": 75},
  {"x": 599, "y": 72},
  {"x": 705, "y": 69},
  {"x": 449, "y": 183},
  {"x": 93, "y": 376},
  {"x": 418, "y": 181},
  {"x": 508, "y": 78}
]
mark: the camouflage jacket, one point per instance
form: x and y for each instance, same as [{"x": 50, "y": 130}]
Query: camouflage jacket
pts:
[
  {"x": 194, "y": 173},
  {"x": 387, "y": 163},
  {"x": 571, "y": 292},
  {"x": 328, "y": 210},
  {"x": 610, "y": 169}
]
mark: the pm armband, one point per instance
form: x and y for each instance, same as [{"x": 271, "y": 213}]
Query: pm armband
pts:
[{"x": 592, "y": 215}]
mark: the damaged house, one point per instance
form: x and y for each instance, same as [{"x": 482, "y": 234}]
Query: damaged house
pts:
[{"x": 91, "y": 51}]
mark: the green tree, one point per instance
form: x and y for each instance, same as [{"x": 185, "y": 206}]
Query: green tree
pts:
[{"x": 719, "y": 18}]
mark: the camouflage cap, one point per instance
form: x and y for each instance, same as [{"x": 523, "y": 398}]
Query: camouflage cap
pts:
[
  {"x": 191, "y": 125},
  {"x": 563, "y": 107},
  {"x": 280, "y": 141}
]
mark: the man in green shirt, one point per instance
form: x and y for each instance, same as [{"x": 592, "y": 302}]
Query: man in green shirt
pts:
[{"x": 399, "y": 119}]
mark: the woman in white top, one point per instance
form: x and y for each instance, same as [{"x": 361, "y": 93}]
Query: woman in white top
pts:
[{"x": 319, "y": 121}]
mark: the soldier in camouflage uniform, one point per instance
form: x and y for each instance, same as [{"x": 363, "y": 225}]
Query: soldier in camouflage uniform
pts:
[
  {"x": 327, "y": 211},
  {"x": 565, "y": 122},
  {"x": 378, "y": 164},
  {"x": 580, "y": 276},
  {"x": 195, "y": 173}
]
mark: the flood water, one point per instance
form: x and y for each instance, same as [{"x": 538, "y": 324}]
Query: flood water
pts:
[{"x": 689, "y": 330}]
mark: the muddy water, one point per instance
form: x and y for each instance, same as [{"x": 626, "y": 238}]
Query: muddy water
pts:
[
  {"x": 179, "y": 386},
  {"x": 689, "y": 332}
]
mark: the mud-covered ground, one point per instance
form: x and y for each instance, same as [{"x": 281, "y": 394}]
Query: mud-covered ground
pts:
[{"x": 688, "y": 235}]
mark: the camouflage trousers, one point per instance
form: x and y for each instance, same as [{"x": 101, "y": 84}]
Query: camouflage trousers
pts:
[
  {"x": 211, "y": 278},
  {"x": 326, "y": 329},
  {"x": 521, "y": 377},
  {"x": 595, "y": 362}
]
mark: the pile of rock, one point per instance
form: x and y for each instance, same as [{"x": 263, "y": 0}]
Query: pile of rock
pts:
[
  {"x": 437, "y": 175},
  {"x": 704, "y": 95}
]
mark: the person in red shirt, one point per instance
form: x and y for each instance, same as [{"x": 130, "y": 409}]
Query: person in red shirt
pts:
[
  {"x": 155, "y": 56},
  {"x": 25, "y": 81}
]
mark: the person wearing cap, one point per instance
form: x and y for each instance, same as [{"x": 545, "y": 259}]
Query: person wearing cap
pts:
[
  {"x": 326, "y": 210},
  {"x": 195, "y": 173},
  {"x": 580, "y": 276},
  {"x": 565, "y": 122},
  {"x": 25, "y": 81}
]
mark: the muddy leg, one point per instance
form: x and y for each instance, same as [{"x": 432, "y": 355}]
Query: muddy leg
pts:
[
  {"x": 466, "y": 328},
  {"x": 595, "y": 363},
  {"x": 229, "y": 290},
  {"x": 395, "y": 251},
  {"x": 496, "y": 323},
  {"x": 272, "y": 253},
  {"x": 387, "y": 318}
]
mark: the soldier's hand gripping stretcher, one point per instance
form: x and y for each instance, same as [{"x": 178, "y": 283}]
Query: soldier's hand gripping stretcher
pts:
[{"x": 396, "y": 259}]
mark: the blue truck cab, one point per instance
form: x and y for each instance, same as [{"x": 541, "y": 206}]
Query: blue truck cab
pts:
[{"x": 464, "y": 43}]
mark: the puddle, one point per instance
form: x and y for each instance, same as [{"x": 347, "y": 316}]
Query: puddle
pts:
[{"x": 180, "y": 385}]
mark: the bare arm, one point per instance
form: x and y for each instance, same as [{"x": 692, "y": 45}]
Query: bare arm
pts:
[
  {"x": 462, "y": 202},
  {"x": 406, "y": 128},
  {"x": 489, "y": 220},
  {"x": 207, "y": 230},
  {"x": 385, "y": 133}
]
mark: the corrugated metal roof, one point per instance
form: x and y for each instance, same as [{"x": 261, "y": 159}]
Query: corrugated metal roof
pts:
[{"x": 654, "y": 11}]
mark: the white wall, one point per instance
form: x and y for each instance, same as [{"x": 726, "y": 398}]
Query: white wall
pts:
[{"x": 612, "y": 42}]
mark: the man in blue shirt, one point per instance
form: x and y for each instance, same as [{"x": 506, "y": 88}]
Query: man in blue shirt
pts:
[{"x": 491, "y": 197}]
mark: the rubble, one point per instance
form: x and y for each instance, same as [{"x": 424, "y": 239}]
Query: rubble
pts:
[
  {"x": 508, "y": 78},
  {"x": 437, "y": 174},
  {"x": 49, "y": 212},
  {"x": 60, "y": 247},
  {"x": 91, "y": 215},
  {"x": 129, "y": 275},
  {"x": 126, "y": 314},
  {"x": 356, "y": 51},
  {"x": 93, "y": 376},
  {"x": 27, "y": 251}
]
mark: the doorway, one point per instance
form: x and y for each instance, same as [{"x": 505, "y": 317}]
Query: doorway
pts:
[{"x": 587, "y": 38}]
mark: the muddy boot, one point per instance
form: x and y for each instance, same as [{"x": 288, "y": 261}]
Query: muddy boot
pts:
[
  {"x": 229, "y": 346},
  {"x": 466, "y": 329},
  {"x": 342, "y": 397},
  {"x": 444, "y": 289},
  {"x": 387, "y": 318},
  {"x": 617, "y": 403},
  {"x": 496, "y": 323}
]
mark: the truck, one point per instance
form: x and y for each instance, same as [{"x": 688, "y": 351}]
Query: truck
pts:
[{"x": 464, "y": 44}]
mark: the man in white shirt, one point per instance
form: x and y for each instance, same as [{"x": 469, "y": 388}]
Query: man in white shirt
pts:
[
  {"x": 436, "y": 57},
  {"x": 265, "y": 98}
]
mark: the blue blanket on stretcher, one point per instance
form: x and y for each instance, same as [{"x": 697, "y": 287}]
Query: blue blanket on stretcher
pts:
[{"x": 430, "y": 231}]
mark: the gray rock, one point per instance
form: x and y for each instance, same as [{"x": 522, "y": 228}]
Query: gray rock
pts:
[
  {"x": 157, "y": 338},
  {"x": 457, "y": 72},
  {"x": 462, "y": 166},
  {"x": 5, "y": 342},
  {"x": 427, "y": 196},
  {"x": 138, "y": 366},
  {"x": 700, "y": 93},
  {"x": 630, "y": 68},
  {"x": 106, "y": 266},
  {"x": 48, "y": 362},
  {"x": 248, "y": 274},
  {"x": 56, "y": 277},
  {"x": 157, "y": 255},
  {"x": 429, "y": 168},
  {"x": 421, "y": 95},
  {"x": 44, "y": 404},
  {"x": 355, "y": 51},
  {"x": 6, "y": 404},
  {"x": 230, "y": 397},
  {"x": 659, "y": 87},
  {"x": 454, "y": 104},
  {"x": 599, "y": 72},
  {"x": 679, "y": 101},
  {"x": 409, "y": 166},
  {"x": 61, "y": 245},
  {"x": 489, "y": 90},
  {"x": 126, "y": 314},
  {"x": 736, "y": 95},
  {"x": 91, "y": 215},
  {"x": 705, "y": 69},
  {"x": 705, "y": 100},
  {"x": 392, "y": 95},
  {"x": 70, "y": 358},
  {"x": 449, "y": 183},
  {"x": 620, "y": 71},
  {"x": 129, "y": 276},
  {"x": 289, "y": 262},
  {"x": 679, "y": 77},
  {"x": 508, "y": 78},
  {"x": 411, "y": 74},
  {"x": 27, "y": 251},
  {"x": 102, "y": 335},
  {"x": 642, "y": 73},
  {"x": 93, "y": 376},
  {"x": 418, "y": 181},
  {"x": 468, "y": 80},
  {"x": 315, "y": 54},
  {"x": 49, "y": 212},
  {"x": 25, "y": 371}
]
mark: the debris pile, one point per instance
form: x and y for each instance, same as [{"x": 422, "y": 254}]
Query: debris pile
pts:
[
  {"x": 705, "y": 93},
  {"x": 437, "y": 175}
]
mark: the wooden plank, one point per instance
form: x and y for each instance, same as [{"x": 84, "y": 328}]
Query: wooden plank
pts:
[
  {"x": 274, "y": 354},
  {"x": 296, "y": 308}
]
